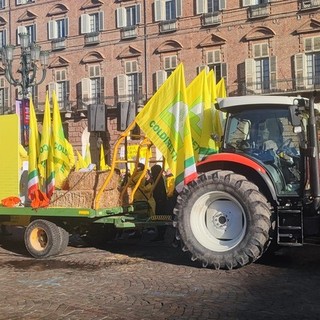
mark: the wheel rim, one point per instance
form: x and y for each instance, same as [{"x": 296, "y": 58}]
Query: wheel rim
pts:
[
  {"x": 38, "y": 239},
  {"x": 218, "y": 221}
]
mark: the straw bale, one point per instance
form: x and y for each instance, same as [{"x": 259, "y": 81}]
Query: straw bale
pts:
[
  {"x": 92, "y": 180},
  {"x": 84, "y": 199}
]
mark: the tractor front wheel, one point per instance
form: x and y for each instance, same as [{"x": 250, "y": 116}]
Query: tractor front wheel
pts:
[{"x": 223, "y": 220}]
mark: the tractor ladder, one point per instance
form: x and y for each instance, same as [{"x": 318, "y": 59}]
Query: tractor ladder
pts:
[{"x": 290, "y": 226}]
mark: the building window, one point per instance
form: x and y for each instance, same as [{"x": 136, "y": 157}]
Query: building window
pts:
[
  {"x": 132, "y": 15},
  {"x": 312, "y": 48},
  {"x": 61, "y": 87},
  {"x": 261, "y": 71},
  {"x": 169, "y": 65},
  {"x": 166, "y": 10},
  {"x": 220, "y": 71},
  {"x": 128, "y": 16},
  {"x": 262, "y": 74},
  {"x": 3, "y": 97},
  {"x": 214, "y": 62},
  {"x": 2, "y": 4},
  {"x": 129, "y": 85},
  {"x": 91, "y": 23},
  {"x": 213, "y": 5},
  {"x": 30, "y": 30},
  {"x": 313, "y": 68},
  {"x": 92, "y": 88},
  {"x": 307, "y": 65},
  {"x": 58, "y": 28},
  {"x": 3, "y": 38},
  {"x": 210, "y": 6},
  {"x": 170, "y": 6}
]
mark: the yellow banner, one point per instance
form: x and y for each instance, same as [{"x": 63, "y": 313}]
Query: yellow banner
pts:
[{"x": 9, "y": 160}]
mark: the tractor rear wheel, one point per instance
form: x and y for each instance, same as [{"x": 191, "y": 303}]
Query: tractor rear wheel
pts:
[{"x": 223, "y": 220}]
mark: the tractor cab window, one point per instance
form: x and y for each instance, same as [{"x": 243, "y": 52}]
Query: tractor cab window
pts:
[{"x": 267, "y": 136}]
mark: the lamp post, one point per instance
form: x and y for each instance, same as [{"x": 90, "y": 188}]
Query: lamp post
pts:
[{"x": 30, "y": 58}]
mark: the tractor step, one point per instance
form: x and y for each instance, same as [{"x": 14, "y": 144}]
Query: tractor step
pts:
[{"x": 290, "y": 227}]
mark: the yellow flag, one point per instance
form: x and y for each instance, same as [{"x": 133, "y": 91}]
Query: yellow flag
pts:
[
  {"x": 87, "y": 156},
  {"x": 216, "y": 90},
  {"x": 60, "y": 153},
  {"x": 50, "y": 180},
  {"x": 211, "y": 80},
  {"x": 33, "y": 177},
  {"x": 165, "y": 121},
  {"x": 80, "y": 163},
  {"x": 221, "y": 89},
  {"x": 45, "y": 139},
  {"x": 199, "y": 101},
  {"x": 71, "y": 156},
  {"x": 103, "y": 165}
]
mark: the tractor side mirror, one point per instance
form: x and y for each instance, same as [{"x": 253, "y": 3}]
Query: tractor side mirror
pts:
[{"x": 294, "y": 116}]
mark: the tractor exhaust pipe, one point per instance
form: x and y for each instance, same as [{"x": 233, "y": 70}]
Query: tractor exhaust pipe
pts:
[{"x": 314, "y": 154}]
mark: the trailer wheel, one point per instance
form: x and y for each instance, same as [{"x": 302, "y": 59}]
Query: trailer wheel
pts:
[
  {"x": 223, "y": 220},
  {"x": 64, "y": 239},
  {"x": 43, "y": 239}
]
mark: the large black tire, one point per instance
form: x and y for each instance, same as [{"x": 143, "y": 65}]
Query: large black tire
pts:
[
  {"x": 43, "y": 239},
  {"x": 223, "y": 220}
]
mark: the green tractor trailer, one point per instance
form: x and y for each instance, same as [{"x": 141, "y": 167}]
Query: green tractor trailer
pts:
[{"x": 260, "y": 192}]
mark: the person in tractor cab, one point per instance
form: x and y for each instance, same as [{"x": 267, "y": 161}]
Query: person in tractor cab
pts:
[{"x": 273, "y": 134}]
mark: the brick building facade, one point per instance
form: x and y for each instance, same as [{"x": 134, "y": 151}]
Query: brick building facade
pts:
[{"x": 106, "y": 52}]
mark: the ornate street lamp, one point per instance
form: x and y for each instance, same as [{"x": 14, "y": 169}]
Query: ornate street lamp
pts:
[{"x": 30, "y": 58}]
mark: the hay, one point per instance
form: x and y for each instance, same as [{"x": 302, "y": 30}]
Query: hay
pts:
[
  {"x": 92, "y": 180},
  {"x": 84, "y": 199},
  {"x": 83, "y": 188}
]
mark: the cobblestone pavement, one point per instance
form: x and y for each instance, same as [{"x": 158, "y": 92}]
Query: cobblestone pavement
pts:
[{"x": 140, "y": 279}]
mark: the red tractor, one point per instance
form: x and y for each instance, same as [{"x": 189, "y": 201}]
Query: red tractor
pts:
[{"x": 261, "y": 189}]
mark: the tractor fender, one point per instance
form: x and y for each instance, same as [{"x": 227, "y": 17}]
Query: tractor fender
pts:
[{"x": 237, "y": 163}]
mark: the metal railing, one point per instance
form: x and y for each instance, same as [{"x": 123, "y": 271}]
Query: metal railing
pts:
[
  {"x": 58, "y": 44},
  {"x": 168, "y": 26},
  {"x": 92, "y": 38},
  {"x": 281, "y": 87},
  {"x": 259, "y": 11},
  {"x": 129, "y": 32},
  {"x": 309, "y": 4},
  {"x": 212, "y": 18}
]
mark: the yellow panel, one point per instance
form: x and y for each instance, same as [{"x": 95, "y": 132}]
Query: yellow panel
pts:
[{"x": 9, "y": 160}]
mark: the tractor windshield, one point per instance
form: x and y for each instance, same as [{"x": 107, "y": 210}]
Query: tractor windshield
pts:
[{"x": 267, "y": 136}]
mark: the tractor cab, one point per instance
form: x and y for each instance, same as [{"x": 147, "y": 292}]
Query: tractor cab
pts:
[{"x": 269, "y": 134}]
